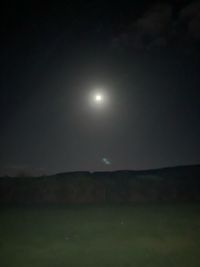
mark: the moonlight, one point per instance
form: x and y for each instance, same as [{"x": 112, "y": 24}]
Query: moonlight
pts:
[{"x": 98, "y": 98}]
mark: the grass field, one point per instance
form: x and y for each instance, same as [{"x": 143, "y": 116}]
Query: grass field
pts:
[{"x": 137, "y": 235}]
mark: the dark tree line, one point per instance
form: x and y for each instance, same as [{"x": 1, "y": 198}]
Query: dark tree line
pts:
[{"x": 173, "y": 184}]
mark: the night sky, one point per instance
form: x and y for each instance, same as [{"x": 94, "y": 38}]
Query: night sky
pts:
[{"x": 144, "y": 57}]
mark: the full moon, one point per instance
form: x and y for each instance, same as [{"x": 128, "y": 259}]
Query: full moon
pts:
[{"x": 98, "y": 98}]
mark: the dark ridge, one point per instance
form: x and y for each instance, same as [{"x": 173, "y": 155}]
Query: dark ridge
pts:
[
  {"x": 175, "y": 169},
  {"x": 180, "y": 183}
]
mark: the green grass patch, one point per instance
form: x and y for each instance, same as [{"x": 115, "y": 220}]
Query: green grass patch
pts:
[{"x": 137, "y": 235}]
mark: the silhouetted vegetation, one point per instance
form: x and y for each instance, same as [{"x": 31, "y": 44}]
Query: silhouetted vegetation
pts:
[{"x": 170, "y": 184}]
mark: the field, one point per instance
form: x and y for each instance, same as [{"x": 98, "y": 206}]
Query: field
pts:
[{"x": 137, "y": 235}]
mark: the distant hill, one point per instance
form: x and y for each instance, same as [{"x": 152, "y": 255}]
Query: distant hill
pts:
[
  {"x": 20, "y": 171},
  {"x": 180, "y": 183}
]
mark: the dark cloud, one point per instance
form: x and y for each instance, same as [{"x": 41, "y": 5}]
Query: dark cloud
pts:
[
  {"x": 147, "y": 29},
  {"x": 190, "y": 10},
  {"x": 163, "y": 25},
  {"x": 190, "y": 15},
  {"x": 156, "y": 20}
]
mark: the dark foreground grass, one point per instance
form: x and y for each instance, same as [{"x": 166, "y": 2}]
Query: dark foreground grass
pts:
[{"x": 140, "y": 235}]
